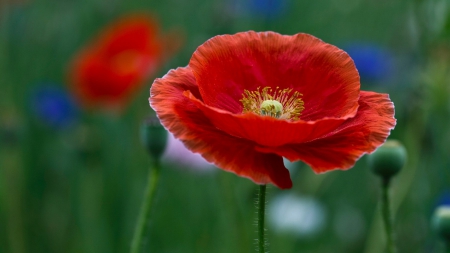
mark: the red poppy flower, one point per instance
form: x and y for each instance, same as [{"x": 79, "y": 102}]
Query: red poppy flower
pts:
[
  {"x": 112, "y": 67},
  {"x": 249, "y": 99}
]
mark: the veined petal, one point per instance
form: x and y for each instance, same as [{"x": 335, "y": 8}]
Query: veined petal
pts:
[
  {"x": 341, "y": 148},
  {"x": 265, "y": 130},
  {"x": 188, "y": 123},
  {"x": 173, "y": 109},
  {"x": 226, "y": 65}
]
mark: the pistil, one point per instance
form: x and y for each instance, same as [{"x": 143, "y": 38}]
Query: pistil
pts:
[{"x": 282, "y": 104}]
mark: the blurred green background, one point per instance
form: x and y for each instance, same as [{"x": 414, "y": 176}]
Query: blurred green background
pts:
[{"x": 78, "y": 187}]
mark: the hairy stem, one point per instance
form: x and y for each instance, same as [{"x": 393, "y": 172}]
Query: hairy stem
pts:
[{"x": 261, "y": 214}]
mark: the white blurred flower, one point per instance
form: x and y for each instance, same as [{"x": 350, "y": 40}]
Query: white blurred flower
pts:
[
  {"x": 177, "y": 153},
  {"x": 303, "y": 216}
]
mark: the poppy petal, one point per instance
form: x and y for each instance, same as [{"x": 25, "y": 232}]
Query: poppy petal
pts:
[
  {"x": 109, "y": 87},
  {"x": 226, "y": 65},
  {"x": 355, "y": 137},
  {"x": 167, "y": 100},
  {"x": 188, "y": 123},
  {"x": 265, "y": 130},
  {"x": 136, "y": 32},
  {"x": 114, "y": 65}
]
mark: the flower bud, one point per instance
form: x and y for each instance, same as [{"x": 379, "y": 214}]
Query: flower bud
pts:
[
  {"x": 154, "y": 137},
  {"x": 441, "y": 222},
  {"x": 388, "y": 159}
]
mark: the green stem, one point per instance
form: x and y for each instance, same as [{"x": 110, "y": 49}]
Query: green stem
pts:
[
  {"x": 144, "y": 216},
  {"x": 387, "y": 218},
  {"x": 261, "y": 214}
]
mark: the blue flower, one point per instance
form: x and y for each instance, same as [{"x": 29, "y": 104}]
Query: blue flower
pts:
[
  {"x": 444, "y": 199},
  {"x": 53, "y": 106},
  {"x": 267, "y": 8},
  {"x": 373, "y": 62}
]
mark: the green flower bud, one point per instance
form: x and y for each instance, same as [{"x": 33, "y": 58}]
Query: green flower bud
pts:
[
  {"x": 441, "y": 222},
  {"x": 154, "y": 137},
  {"x": 388, "y": 159}
]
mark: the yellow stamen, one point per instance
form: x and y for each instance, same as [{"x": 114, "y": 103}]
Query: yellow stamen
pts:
[{"x": 279, "y": 103}]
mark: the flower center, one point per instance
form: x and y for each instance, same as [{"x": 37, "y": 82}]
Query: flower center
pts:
[
  {"x": 282, "y": 104},
  {"x": 271, "y": 108}
]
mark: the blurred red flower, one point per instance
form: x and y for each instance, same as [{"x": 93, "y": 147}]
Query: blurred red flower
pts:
[
  {"x": 249, "y": 99},
  {"x": 114, "y": 65}
]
